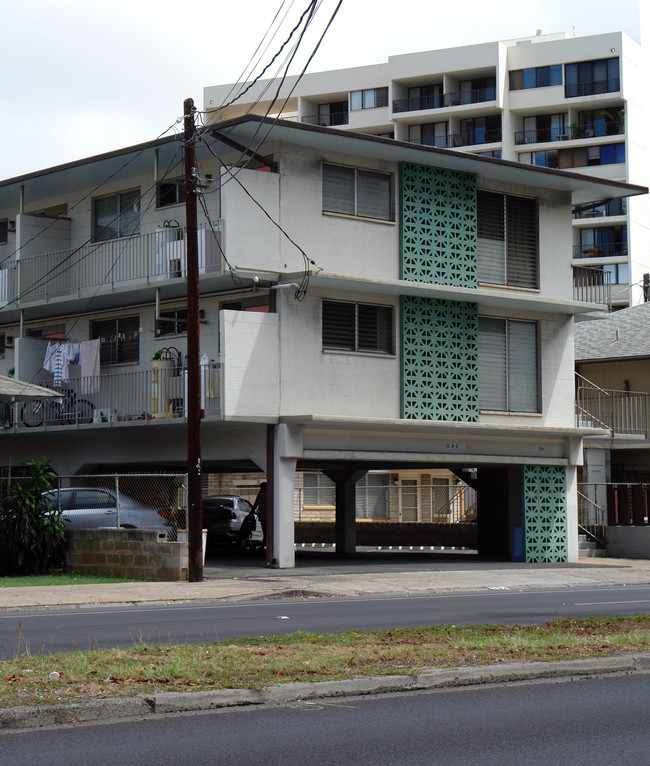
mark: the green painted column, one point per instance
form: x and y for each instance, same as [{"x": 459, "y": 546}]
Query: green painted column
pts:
[{"x": 544, "y": 513}]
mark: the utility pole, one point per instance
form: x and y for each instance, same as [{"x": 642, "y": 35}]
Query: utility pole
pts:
[{"x": 195, "y": 515}]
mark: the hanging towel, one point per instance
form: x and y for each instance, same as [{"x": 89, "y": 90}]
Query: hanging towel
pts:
[{"x": 89, "y": 353}]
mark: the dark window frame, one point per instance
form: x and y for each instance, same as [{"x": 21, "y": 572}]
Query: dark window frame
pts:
[
  {"x": 122, "y": 223},
  {"x": 380, "y": 98},
  {"x": 535, "y": 77},
  {"x": 172, "y": 322},
  {"x": 119, "y": 339},
  {"x": 170, "y": 193},
  {"x": 4, "y": 231},
  {"x": 366, "y": 328},
  {"x": 346, "y": 191}
]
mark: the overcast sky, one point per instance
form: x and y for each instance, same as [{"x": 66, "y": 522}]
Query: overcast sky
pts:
[{"x": 81, "y": 77}]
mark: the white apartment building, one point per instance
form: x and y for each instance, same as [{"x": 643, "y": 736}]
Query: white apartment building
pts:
[
  {"x": 368, "y": 304},
  {"x": 551, "y": 101}
]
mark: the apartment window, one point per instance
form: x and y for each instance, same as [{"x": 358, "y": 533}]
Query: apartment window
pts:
[
  {"x": 4, "y": 231},
  {"x": 582, "y": 156},
  {"x": 352, "y": 191},
  {"x": 600, "y": 122},
  {"x": 618, "y": 273},
  {"x": 474, "y": 91},
  {"x": 170, "y": 193},
  {"x": 431, "y": 134},
  {"x": 543, "y": 127},
  {"x": 172, "y": 322},
  {"x": 600, "y": 209},
  {"x": 588, "y": 78},
  {"x": 117, "y": 216},
  {"x": 425, "y": 97},
  {"x": 335, "y": 113},
  {"x": 368, "y": 99},
  {"x": 536, "y": 77},
  {"x": 317, "y": 489},
  {"x": 508, "y": 365},
  {"x": 507, "y": 239},
  {"x": 357, "y": 327},
  {"x": 480, "y": 130},
  {"x": 119, "y": 339},
  {"x": 607, "y": 241}
]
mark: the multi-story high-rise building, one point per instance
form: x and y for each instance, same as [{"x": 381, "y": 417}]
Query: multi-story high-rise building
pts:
[{"x": 551, "y": 101}]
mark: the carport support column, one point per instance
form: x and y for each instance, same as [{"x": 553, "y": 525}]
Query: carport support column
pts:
[
  {"x": 346, "y": 508},
  {"x": 284, "y": 444},
  {"x": 572, "y": 513}
]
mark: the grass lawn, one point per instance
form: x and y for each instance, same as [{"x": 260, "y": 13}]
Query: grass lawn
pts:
[
  {"x": 56, "y": 579},
  {"x": 256, "y": 663}
]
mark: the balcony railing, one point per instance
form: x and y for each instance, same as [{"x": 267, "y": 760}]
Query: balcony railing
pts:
[
  {"x": 592, "y": 285},
  {"x": 546, "y": 135},
  {"x": 600, "y": 250},
  {"x": 157, "y": 256},
  {"x": 443, "y": 100},
  {"x": 592, "y": 88},
  {"x": 121, "y": 397},
  {"x": 453, "y": 140},
  {"x": 624, "y": 413},
  {"x": 614, "y": 207},
  {"x": 327, "y": 120}
]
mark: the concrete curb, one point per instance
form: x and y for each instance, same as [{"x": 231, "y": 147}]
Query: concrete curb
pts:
[{"x": 115, "y": 708}]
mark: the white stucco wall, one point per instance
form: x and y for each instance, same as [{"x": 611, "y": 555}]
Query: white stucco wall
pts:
[{"x": 249, "y": 343}]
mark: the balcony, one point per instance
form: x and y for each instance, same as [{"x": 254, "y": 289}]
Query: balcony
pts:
[
  {"x": 592, "y": 88},
  {"x": 548, "y": 135},
  {"x": 624, "y": 413},
  {"x": 327, "y": 120},
  {"x": 444, "y": 100},
  {"x": 454, "y": 140},
  {"x": 104, "y": 266},
  {"x": 113, "y": 399},
  {"x": 600, "y": 250},
  {"x": 592, "y": 285}
]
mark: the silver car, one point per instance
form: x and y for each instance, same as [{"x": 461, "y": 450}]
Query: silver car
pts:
[{"x": 93, "y": 507}]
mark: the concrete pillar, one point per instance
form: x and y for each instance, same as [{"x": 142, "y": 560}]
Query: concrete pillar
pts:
[
  {"x": 287, "y": 446},
  {"x": 572, "y": 512},
  {"x": 346, "y": 508}
]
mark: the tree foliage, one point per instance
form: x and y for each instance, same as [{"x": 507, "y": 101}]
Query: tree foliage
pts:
[{"x": 32, "y": 532}]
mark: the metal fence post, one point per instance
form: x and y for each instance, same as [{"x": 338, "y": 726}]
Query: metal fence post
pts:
[{"x": 117, "y": 501}]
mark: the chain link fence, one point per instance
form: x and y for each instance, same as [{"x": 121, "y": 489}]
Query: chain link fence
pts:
[{"x": 110, "y": 501}]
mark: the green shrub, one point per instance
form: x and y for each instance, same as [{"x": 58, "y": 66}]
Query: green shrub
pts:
[{"x": 32, "y": 532}]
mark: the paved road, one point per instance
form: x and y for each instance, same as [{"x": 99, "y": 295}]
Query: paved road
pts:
[
  {"x": 595, "y": 722},
  {"x": 69, "y": 629}
]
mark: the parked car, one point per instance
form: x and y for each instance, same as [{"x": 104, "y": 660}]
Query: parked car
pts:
[
  {"x": 223, "y": 516},
  {"x": 92, "y": 507}
]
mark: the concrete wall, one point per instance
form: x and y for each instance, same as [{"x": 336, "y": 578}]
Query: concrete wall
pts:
[
  {"x": 132, "y": 553},
  {"x": 628, "y": 542}
]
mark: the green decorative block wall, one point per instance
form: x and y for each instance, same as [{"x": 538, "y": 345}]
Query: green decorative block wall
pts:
[
  {"x": 438, "y": 226},
  {"x": 545, "y": 513},
  {"x": 439, "y": 360}
]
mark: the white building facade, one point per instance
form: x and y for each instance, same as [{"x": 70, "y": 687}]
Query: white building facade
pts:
[
  {"x": 367, "y": 304},
  {"x": 548, "y": 100}
]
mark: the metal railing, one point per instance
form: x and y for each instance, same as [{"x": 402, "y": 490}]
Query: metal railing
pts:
[
  {"x": 113, "y": 501},
  {"x": 592, "y": 285},
  {"x": 120, "y": 397},
  {"x": 591, "y": 88},
  {"x": 625, "y": 413},
  {"x": 546, "y": 135},
  {"x": 452, "y": 140},
  {"x": 160, "y": 255},
  {"x": 600, "y": 250},
  {"x": 438, "y": 101},
  {"x": 613, "y": 207},
  {"x": 440, "y": 503},
  {"x": 327, "y": 120}
]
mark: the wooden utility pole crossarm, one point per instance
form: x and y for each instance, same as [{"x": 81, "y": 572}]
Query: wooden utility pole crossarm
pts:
[{"x": 195, "y": 516}]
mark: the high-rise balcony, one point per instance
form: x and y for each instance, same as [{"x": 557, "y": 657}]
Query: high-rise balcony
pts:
[
  {"x": 600, "y": 250},
  {"x": 440, "y": 101},
  {"x": 547, "y": 135},
  {"x": 327, "y": 120},
  {"x": 592, "y": 285}
]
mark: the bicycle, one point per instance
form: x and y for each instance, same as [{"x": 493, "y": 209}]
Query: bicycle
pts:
[{"x": 67, "y": 412}]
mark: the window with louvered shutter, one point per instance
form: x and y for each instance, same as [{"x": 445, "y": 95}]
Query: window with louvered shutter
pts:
[
  {"x": 508, "y": 365},
  {"x": 507, "y": 247},
  {"x": 353, "y": 191},
  {"x": 357, "y": 327}
]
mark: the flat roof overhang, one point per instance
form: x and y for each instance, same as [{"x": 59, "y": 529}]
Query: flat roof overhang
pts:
[
  {"x": 488, "y": 297},
  {"x": 255, "y": 131}
]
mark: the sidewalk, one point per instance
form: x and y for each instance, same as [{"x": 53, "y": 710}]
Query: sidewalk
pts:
[{"x": 325, "y": 574}]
